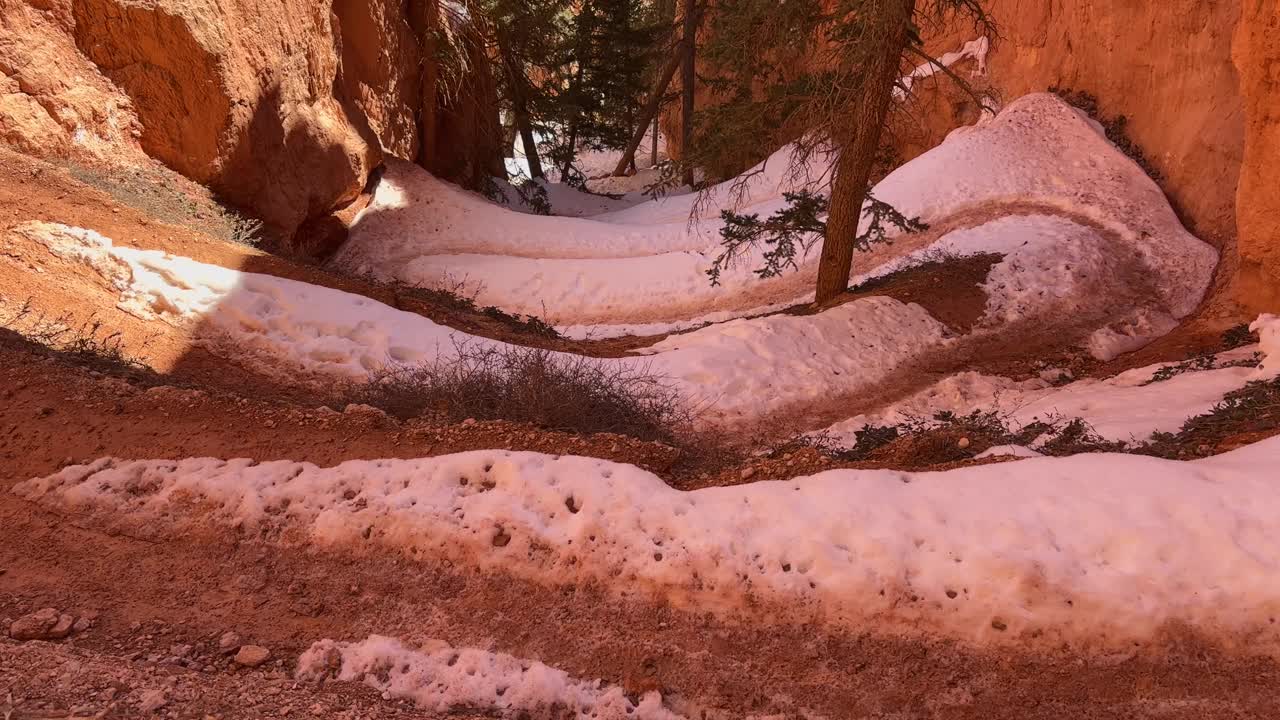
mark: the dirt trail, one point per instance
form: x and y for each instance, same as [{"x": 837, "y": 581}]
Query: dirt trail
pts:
[{"x": 189, "y": 592}]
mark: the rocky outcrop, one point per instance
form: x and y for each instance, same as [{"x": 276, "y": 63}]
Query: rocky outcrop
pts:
[
  {"x": 238, "y": 95},
  {"x": 283, "y": 107},
  {"x": 53, "y": 100},
  {"x": 381, "y": 70}
]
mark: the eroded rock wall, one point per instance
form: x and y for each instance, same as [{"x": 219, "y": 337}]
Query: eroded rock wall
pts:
[
  {"x": 284, "y": 107},
  {"x": 1256, "y": 51}
]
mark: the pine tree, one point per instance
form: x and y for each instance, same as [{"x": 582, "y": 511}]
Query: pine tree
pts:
[
  {"x": 820, "y": 74},
  {"x": 527, "y": 36},
  {"x": 572, "y": 72},
  {"x": 603, "y": 76}
]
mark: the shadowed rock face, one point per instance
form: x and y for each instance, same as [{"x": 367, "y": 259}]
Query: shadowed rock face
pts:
[
  {"x": 237, "y": 95},
  {"x": 283, "y": 107}
]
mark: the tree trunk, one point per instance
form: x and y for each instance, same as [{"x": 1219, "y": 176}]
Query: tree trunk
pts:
[
  {"x": 653, "y": 147},
  {"x": 518, "y": 85},
  {"x": 688, "y": 80},
  {"x": 572, "y": 146},
  {"x": 650, "y": 111},
  {"x": 424, "y": 18},
  {"x": 857, "y": 152}
]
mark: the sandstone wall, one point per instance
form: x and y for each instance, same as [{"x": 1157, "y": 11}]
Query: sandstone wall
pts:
[
  {"x": 284, "y": 107},
  {"x": 1256, "y": 51}
]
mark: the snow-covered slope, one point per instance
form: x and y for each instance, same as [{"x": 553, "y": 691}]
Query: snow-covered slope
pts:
[
  {"x": 1090, "y": 550},
  {"x": 735, "y": 371},
  {"x": 647, "y": 264},
  {"x": 1129, "y": 407}
]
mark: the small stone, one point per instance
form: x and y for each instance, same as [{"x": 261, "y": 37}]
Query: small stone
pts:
[
  {"x": 252, "y": 655},
  {"x": 747, "y": 473},
  {"x": 229, "y": 642},
  {"x": 63, "y": 627},
  {"x": 180, "y": 651},
  {"x": 501, "y": 539},
  {"x": 82, "y": 624},
  {"x": 44, "y": 411},
  {"x": 361, "y": 409},
  {"x": 964, "y": 443},
  {"x": 999, "y": 624},
  {"x": 45, "y": 624},
  {"x": 153, "y": 700},
  {"x": 469, "y": 422}
]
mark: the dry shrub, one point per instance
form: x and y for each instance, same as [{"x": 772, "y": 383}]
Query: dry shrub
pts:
[
  {"x": 530, "y": 385},
  {"x": 90, "y": 342}
]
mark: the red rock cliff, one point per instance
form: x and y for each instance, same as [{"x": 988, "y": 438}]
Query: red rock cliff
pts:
[{"x": 282, "y": 106}]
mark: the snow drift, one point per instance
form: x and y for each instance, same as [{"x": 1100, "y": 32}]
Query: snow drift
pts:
[
  {"x": 1093, "y": 550},
  {"x": 1129, "y": 408},
  {"x": 736, "y": 371},
  {"x": 647, "y": 264}
]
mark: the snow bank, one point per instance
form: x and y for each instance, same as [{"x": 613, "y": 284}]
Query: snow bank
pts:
[
  {"x": 443, "y": 679},
  {"x": 1092, "y": 550},
  {"x": 647, "y": 265},
  {"x": 975, "y": 50},
  {"x": 1268, "y": 329},
  {"x": 735, "y": 371},
  {"x": 1126, "y": 408}
]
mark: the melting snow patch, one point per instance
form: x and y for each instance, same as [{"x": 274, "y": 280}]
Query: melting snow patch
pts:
[
  {"x": 1268, "y": 329},
  {"x": 1090, "y": 549},
  {"x": 1130, "y": 407},
  {"x": 442, "y": 679}
]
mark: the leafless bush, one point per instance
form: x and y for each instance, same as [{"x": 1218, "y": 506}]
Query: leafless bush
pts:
[
  {"x": 529, "y": 385},
  {"x": 87, "y": 342}
]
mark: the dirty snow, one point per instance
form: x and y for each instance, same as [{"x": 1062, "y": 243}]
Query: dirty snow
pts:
[
  {"x": 1128, "y": 408},
  {"x": 733, "y": 371},
  {"x": 440, "y": 678},
  {"x": 1091, "y": 549}
]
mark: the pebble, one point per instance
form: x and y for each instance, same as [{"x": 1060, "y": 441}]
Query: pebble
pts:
[
  {"x": 45, "y": 624},
  {"x": 252, "y": 655},
  {"x": 747, "y": 473},
  {"x": 153, "y": 700},
  {"x": 229, "y": 642},
  {"x": 964, "y": 443}
]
